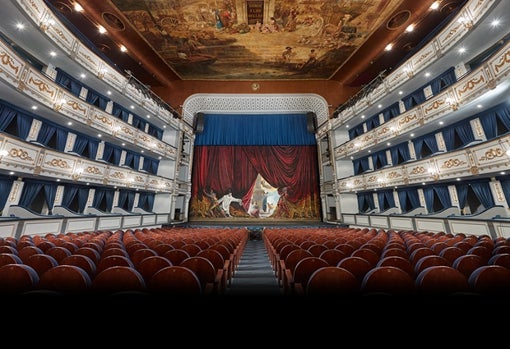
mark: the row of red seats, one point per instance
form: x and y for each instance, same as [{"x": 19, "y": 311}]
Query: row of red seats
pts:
[
  {"x": 154, "y": 260},
  {"x": 355, "y": 260}
]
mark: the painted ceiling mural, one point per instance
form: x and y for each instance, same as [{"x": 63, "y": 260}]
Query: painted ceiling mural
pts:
[{"x": 251, "y": 39}]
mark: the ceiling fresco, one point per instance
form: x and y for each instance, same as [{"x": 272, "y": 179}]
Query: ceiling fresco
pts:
[{"x": 271, "y": 39}]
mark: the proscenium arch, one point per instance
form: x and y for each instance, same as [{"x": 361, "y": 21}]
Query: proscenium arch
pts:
[{"x": 255, "y": 104}]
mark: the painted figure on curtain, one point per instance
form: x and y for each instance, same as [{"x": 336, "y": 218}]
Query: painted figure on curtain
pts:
[
  {"x": 255, "y": 198},
  {"x": 243, "y": 39}
]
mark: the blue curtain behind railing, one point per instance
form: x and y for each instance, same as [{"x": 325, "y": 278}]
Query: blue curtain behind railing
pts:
[
  {"x": 260, "y": 129},
  {"x": 5, "y": 189}
]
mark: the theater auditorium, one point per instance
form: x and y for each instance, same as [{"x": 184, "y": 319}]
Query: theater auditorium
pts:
[{"x": 273, "y": 149}]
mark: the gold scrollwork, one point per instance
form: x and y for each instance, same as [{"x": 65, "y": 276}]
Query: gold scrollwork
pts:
[
  {"x": 453, "y": 163},
  {"x": 118, "y": 175},
  {"x": 59, "y": 163},
  {"x": 471, "y": 85},
  {"x": 20, "y": 153},
  {"x": 418, "y": 170},
  {"x": 127, "y": 130},
  {"x": 93, "y": 170},
  {"x": 42, "y": 86},
  {"x": 7, "y": 60},
  {"x": 492, "y": 154},
  {"x": 434, "y": 105},
  {"x": 504, "y": 60},
  {"x": 407, "y": 119},
  {"x": 76, "y": 106},
  {"x": 103, "y": 119}
]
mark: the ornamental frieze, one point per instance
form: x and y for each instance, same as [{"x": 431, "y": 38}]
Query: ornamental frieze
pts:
[
  {"x": 20, "y": 153},
  {"x": 42, "y": 86},
  {"x": 423, "y": 57},
  {"x": 61, "y": 35},
  {"x": 8, "y": 61},
  {"x": 118, "y": 175},
  {"x": 471, "y": 85},
  {"x": 384, "y": 130},
  {"x": 127, "y": 130},
  {"x": 76, "y": 106},
  {"x": 491, "y": 154},
  {"x": 88, "y": 58},
  {"x": 418, "y": 170},
  {"x": 435, "y": 105},
  {"x": 371, "y": 179},
  {"x": 60, "y": 163},
  {"x": 407, "y": 119},
  {"x": 103, "y": 119},
  {"x": 453, "y": 163},
  {"x": 451, "y": 33},
  {"x": 93, "y": 170},
  {"x": 505, "y": 59}
]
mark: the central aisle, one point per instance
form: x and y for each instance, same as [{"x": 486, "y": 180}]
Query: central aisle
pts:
[{"x": 254, "y": 275}]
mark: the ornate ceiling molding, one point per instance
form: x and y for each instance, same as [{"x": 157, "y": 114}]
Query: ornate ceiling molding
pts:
[{"x": 255, "y": 104}]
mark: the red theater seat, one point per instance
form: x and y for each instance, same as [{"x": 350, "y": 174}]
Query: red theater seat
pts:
[
  {"x": 176, "y": 256},
  {"x": 41, "y": 263},
  {"x": 467, "y": 263},
  {"x": 302, "y": 272},
  {"x": 332, "y": 280},
  {"x": 118, "y": 279},
  {"x": 65, "y": 279},
  {"x": 175, "y": 280},
  {"x": 502, "y": 259},
  {"x": 151, "y": 265},
  {"x": 398, "y": 262},
  {"x": 441, "y": 280},
  {"x": 17, "y": 278},
  {"x": 9, "y": 258},
  {"x": 490, "y": 280},
  {"x": 356, "y": 265},
  {"x": 388, "y": 280},
  {"x": 81, "y": 261},
  {"x": 205, "y": 272},
  {"x": 332, "y": 256}
]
